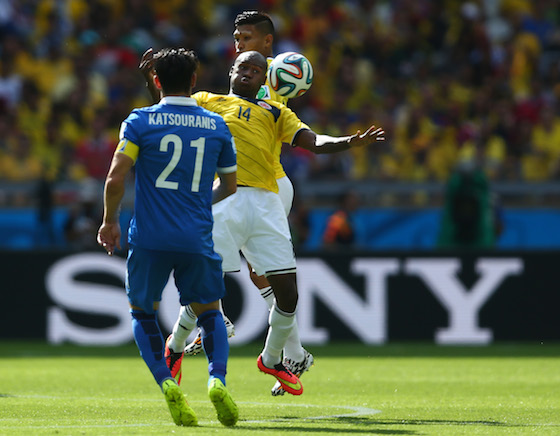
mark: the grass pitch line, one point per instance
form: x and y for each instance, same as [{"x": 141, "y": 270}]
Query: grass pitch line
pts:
[{"x": 357, "y": 411}]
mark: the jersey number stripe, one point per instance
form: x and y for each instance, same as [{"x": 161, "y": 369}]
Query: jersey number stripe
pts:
[{"x": 161, "y": 181}]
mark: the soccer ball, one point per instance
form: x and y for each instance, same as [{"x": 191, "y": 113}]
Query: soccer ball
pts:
[{"x": 290, "y": 74}]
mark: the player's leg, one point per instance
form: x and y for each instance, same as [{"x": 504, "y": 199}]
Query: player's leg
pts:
[
  {"x": 216, "y": 348},
  {"x": 281, "y": 322},
  {"x": 147, "y": 275},
  {"x": 296, "y": 358},
  {"x": 228, "y": 235},
  {"x": 269, "y": 250},
  {"x": 203, "y": 277},
  {"x": 195, "y": 346},
  {"x": 176, "y": 341},
  {"x": 282, "y": 317}
]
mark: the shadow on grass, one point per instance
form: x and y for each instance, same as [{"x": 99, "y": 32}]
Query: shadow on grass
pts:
[
  {"x": 330, "y": 425},
  {"x": 441, "y": 422},
  {"x": 337, "y": 425},
  {"x": 422, "y": 422},
  {"x": 298, "y": 430},
  {"x": 368, "y": 425}
]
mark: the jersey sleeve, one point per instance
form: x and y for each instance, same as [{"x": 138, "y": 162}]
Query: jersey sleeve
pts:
[
  {"x": 128, "y": 137},
  {"x": 289, "y": 125},
  {"x": 128, "y": 128},
  {"x": 227, "y": 162}
]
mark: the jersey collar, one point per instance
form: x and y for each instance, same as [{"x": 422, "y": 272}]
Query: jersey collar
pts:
[{"x": 179, "y": 101}]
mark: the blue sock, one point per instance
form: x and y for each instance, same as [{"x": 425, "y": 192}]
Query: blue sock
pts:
[
  {"x": 215, "y": 343},
  {"x": 149, "y": 340}
]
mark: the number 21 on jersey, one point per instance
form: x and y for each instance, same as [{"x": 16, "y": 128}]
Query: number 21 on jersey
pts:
[{"x": 161, "y": 181}]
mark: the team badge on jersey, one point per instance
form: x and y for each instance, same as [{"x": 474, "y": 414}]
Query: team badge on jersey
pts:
[
  {"x": 264, "y": 105},
  {"x": 264, "y": 93}
]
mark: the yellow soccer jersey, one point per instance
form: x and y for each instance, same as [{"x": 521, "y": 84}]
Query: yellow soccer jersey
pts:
[
  {"x": 259, "y": 128},
  {"x": 267, "y": 93}
]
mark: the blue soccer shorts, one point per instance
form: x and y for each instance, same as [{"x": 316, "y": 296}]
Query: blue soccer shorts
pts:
[{"x": 198, "y": 277}]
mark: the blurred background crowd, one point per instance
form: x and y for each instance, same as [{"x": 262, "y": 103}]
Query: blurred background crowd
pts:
[{"x": 449, "y": 81}]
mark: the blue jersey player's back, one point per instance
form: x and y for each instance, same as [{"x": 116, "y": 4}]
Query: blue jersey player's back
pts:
[{"x": 177, "y": 147}]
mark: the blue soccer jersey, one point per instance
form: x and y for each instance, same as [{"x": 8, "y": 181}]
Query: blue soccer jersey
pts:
[{"x": 178, "y": 147}]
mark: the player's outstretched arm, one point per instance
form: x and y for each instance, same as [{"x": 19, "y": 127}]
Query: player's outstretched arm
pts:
[
  {"x": 146, "y": 67},
  {"x": 109, "y": 234},
  {"x": 320, "y": 144}
]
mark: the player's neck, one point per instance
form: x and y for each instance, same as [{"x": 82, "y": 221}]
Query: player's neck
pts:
[
  {"x": 176, "y": 95},
  {"x": 232, "y": 93}
]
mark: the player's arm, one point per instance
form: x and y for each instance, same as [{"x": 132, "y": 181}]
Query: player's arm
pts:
[
  {"x": 109, "y": 233},
  {"x": 224, "y": 186},
  {"x": 320, "y": 144},
  {"x": 147, "y": 69}
]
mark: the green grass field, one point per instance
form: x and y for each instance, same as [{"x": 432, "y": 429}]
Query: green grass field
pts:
[{"x": 405, "y": 389}]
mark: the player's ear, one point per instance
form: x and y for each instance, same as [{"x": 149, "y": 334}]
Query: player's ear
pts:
[
  {"x": 157, "y": 82},
  {"x": 268, "y": 40}
]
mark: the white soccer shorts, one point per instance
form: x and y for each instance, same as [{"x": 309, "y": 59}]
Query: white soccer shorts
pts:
[
  {"x": 286, "y": 193},
  {"x": 253, "y": 221}
]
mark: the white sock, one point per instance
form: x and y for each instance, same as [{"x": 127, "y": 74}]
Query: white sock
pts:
[
  {"x": 281, "y": 324},
  {"x": 182, "y": 329},
  {"x": 268, "y": 295},
  {"x": 293, "y": 348}
]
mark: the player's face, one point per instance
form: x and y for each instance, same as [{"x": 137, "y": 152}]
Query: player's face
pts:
[
  {"x": 247, "y": 77},
  {"x": 248, "y": 38}
]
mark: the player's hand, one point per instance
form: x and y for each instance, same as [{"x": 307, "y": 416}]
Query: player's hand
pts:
[
  {"x": 109, "y": 237},
  {"x": 370, "y": 136},
  {"x": 147, "y": 64}
]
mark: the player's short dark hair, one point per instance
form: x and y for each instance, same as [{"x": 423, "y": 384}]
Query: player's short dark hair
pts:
[
  {"x": 175, "y": 68},
  {"x": 261, "y": 20}
]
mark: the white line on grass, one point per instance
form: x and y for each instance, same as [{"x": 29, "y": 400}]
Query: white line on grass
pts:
[{"x": 355, "y": 411}]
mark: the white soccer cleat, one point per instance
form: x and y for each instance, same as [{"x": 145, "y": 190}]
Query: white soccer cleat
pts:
[
  {"x": 195, "y": 346},
  {"x": 297, "y": 368}
]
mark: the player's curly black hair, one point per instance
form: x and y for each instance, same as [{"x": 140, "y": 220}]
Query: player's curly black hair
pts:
[
  {"x": 175, "y": 68},
  {"x": 260, "y": 20}
]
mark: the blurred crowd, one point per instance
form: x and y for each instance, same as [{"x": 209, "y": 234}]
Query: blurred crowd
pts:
[{"x": 449, "y": 81}]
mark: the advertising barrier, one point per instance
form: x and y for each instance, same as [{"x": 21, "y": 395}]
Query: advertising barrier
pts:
[{"x": 375, "y": 298}]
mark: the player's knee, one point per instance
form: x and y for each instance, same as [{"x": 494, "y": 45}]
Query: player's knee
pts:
[
  {"x": 285, "y": 291},
  {"x": 287, "y": 302}
]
